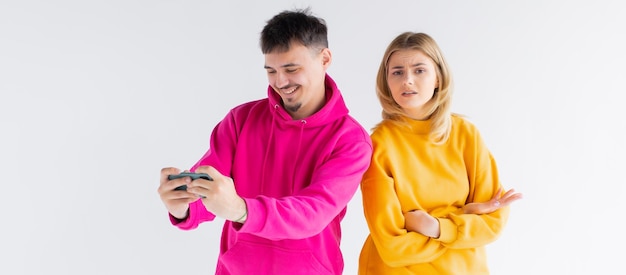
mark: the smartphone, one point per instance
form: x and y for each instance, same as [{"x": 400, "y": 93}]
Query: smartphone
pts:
[{"x": 193, "y": 176}]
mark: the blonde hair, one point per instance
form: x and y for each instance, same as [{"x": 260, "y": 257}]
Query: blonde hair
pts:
[{"x": 439, "y": 105}]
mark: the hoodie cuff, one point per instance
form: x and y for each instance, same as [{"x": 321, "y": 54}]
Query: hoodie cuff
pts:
[
  {"x": 253, "y": 221},
  {"x": 448, "y": 230},
  {"x": 186, "y": 223}
]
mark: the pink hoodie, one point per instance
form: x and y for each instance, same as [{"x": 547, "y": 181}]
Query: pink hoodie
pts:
[{"x": 296, "y": 176}]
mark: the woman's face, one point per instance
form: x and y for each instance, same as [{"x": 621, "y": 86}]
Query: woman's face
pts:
[{"x": 412, "y": 79}]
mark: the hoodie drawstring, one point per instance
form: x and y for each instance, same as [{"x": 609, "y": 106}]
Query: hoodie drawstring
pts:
[{"x": 295, "y": 162}]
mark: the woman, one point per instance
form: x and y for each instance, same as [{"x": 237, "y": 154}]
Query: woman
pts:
[{"x": 432, "y": 198}]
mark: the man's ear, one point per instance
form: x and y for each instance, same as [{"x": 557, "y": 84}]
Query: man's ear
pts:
[{"x": 327, "y": 57}]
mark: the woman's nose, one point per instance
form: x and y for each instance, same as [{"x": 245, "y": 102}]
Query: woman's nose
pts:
[{"x": 408, "y": 80}]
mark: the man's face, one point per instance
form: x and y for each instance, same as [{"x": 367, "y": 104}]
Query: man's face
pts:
[{"x": 298, "y": 77}]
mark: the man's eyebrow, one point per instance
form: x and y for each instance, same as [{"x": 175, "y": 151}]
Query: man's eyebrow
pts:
[{"x": 283, "y": 66}]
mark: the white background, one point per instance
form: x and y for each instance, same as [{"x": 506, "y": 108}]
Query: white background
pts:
[{"x": 97, "y": 96}]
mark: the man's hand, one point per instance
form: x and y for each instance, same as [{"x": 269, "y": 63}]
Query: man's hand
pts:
[
  {"x": 220, "y": 196},
  {"x": 177, "y": 202}
]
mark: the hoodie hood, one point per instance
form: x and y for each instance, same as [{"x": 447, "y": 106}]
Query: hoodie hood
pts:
[{"x": 333, "y": 109}]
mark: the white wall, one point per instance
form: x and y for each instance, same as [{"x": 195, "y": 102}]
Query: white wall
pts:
[{"x": 97, "y": 96}]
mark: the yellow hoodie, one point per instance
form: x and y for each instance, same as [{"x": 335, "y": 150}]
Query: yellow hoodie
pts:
[{"x": 409, "y": 172}]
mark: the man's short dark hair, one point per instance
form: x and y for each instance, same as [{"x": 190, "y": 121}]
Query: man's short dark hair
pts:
[{"x": 294, "y": 26}]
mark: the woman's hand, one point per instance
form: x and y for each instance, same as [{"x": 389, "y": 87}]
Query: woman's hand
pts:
[
  {"x": 498, "y": 201},
  {"x": 421, "y": 222}
]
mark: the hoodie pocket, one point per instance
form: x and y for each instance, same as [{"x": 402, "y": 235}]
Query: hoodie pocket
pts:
[{"x": 247, "y": 257}]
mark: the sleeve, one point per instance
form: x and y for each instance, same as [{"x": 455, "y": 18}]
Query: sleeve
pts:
[
  {"x": 197, "y": 215},
  {"x": 460, "y": 231},
  {"x": 382, "y": 208},
  {"x": 310, "y": 210},
  {"x": 219, "y": 157}
]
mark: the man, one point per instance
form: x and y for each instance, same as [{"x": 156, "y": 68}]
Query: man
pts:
[{"x": 284, "y": 167}]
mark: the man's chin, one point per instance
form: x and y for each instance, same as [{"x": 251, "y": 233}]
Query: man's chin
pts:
[{"x": 293, "y": 108}]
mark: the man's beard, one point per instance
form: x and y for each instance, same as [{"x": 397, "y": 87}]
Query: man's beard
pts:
[{"x": 293, "y": 108}]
